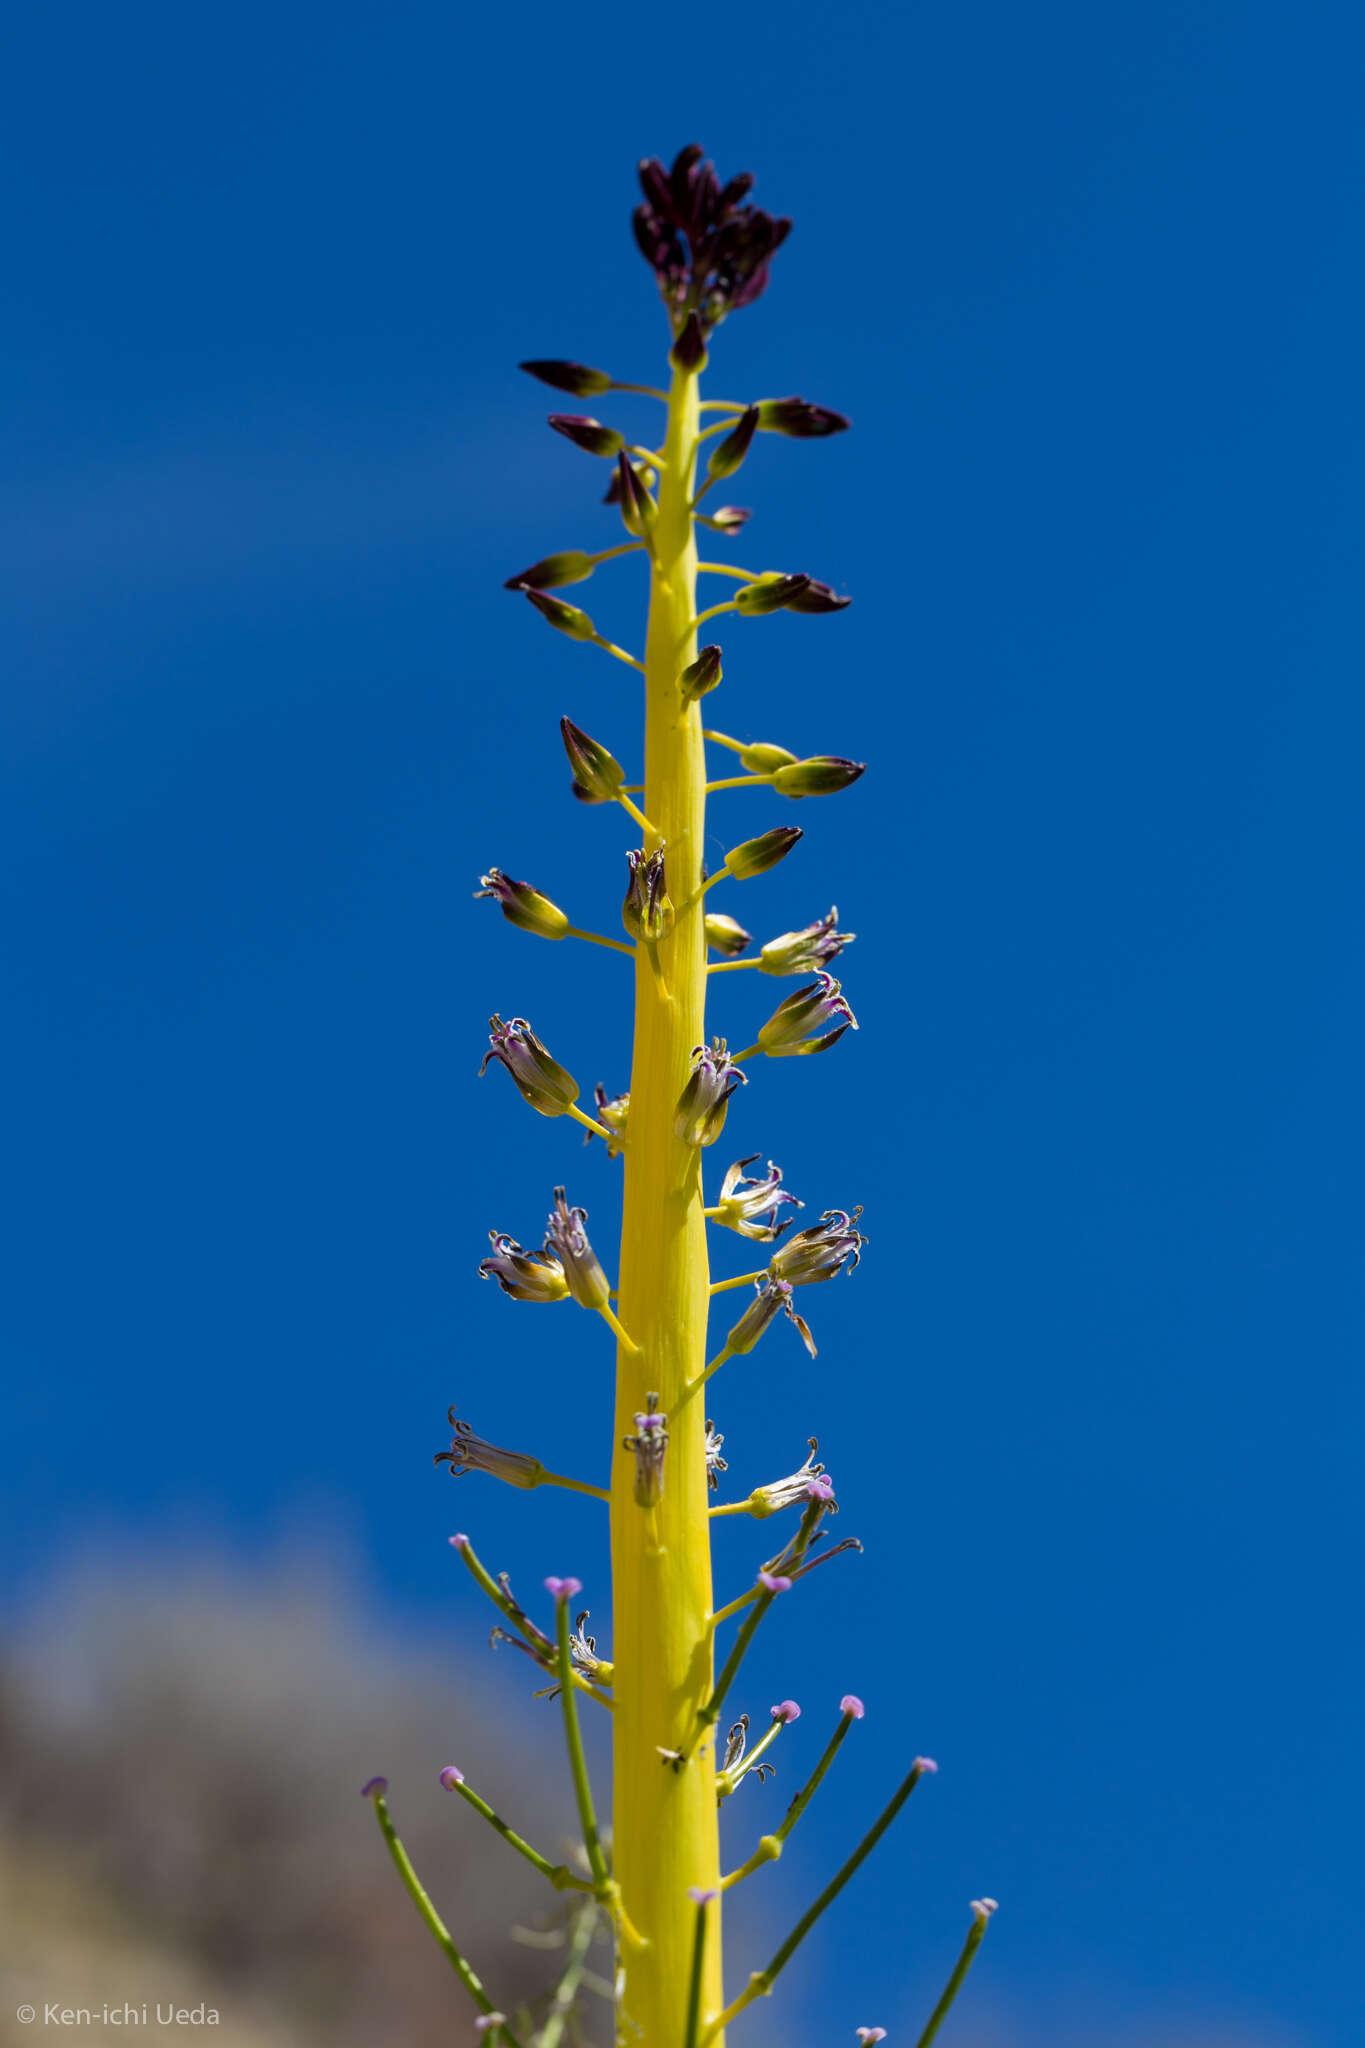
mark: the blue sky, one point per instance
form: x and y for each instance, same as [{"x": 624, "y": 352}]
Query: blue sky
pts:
[{"x": 1087, "y": 281}]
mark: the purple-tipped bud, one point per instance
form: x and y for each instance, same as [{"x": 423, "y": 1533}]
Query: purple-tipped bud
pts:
[
  {"x": 755, "y": 856},
  {"x": 785, "y": 1711},
  {"x": 524, "y": 906},
  {"x": 700, "y": 1897},
  {"x": 727, "y": 519},
  {"x": 546, "y": 1085},
  {"x": 751, "y": 1207},
  {"x": 770, "y": 592},
  {"x": 700, "y": 1115},
  {"x": 525, "y": 1276},
  {"x": 374, "y": 1788},
  {"x": 573, "y": 566},
  {"x": 811, "y": 1019},
  {"x": 926, "y": 1766},
  {"x": 597, "y": 775},
  {"x": 563, "y": 1589},
  {"x": 773, "y": 1582},
  {"x": 647, "y": 912},
  {"x": 565, "y": 618},
  {"x": 649, "y": 1444},
  {"x": 725, "y": 935},
  {"x": 851, "y": 1705},
  {"x": 730, "y": 451},
  {"x": 689, "y": 350},
  {"x": 820, "y": 775},
  {"x": 798, "y": 419},
  {"x": 869, "y": 2035},
  {"x": 807, "y": 951},
  {"x": 575, "y": 378},
  {"x": 566, "y": 1238},
  {"x": 644, "y": 473},
  {"x": 983, "y": 1908},
  {"x": 638, "y": 509},
  {"x": 822, "y": 1251},
  {"x": 588, "y": 434},
  {"x": 470, "y": 1453},
  {"x": 816, "y": 598},
  {"x": 700, "y": 675},
  {"x": 452, "y": 1776}
]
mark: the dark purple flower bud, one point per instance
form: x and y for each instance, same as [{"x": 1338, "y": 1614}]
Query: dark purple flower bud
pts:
[
  {"x": 644, "y": 474},
  {"x": 573, "y": 377},
  {"x": 525, "y": 1276},
  {"x": 729, "y": 452},
  {"x": 638, "y": 510},
  {"x": 566, "y": 1238},
  {"x": 546, "y": 1085},
  {"x": 724, "y": 935},
  {"x": 588, "y": 434},
  {"x": 743, "y": 1204},
  {"x": 700, "y": 1117},
  {"x": 597, "y": 775},
  {"x": 806, "y": 951},
  {"x": 715, "y": 1464},
  {"x": 817, "y": 598},
  {"x": 649, "y": 1445},
  {"x": 613, "y": 1113},
  {"x": 772, "y": 592},
  {"x": 727, "y": 519},
  {"x": 802, "y": 1024},
  {"x": 450, "y": 1776},
  {"x": 647, "y": 912},
  {"x": 565, "y": 618},
  {"x": 755, "y": 856},
  {"x": 469, "y": 1453},
  {"x": 771, "y": 1297},
  {"x": 524, "y": 906},
  {"x": 821, "y": 775},
  {"x": 700, "y": 675},
  {"x": 689, "y": 350},
  {"x": 374, "y": 1788},
  {"x": 822, "y": 1251},
  {"x": 573, "y": 566},
  {"x": 798, "y": 419}
]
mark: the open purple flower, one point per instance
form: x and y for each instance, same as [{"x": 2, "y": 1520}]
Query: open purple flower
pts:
[
  {"x": 811, "y": 1019},
  {"x": 809, "y": 1482},
  {"x": 649, "y": 1444},
  {"x": 808, "y": 951},
  {"x": 566, "y": 1238},
  {"x": 546, "y": 1085},
  {"x": 715, "y": 1464},
  {"x": 526, "y": 1276},
  {"x": 469, "y": 1453},
  {"x": 744, "y": 1204},
  {"x": 771, "y": 1298},
  {"x": 821, "y": 1251},
  {"x": 700, "y": 1117}
]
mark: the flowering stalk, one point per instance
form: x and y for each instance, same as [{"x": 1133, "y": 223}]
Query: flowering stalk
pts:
[{"x": 659, "y": 1881}]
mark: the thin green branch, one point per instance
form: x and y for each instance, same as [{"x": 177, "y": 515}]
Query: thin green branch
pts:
[
  {"x": 761, "y": 1982},
  {"x": 690, "y": 2031},
  {"x": 740, "y": 782},
  {"x": 439, "y": 1931},
  {"x": 726, "y": 569},
  {"x": 982, "y": 1910},
  {"x": 741, "y": 1280},
  {"x": 578, "y": 1763},
  {"x": 597, "y": 939},
  {"x": 559, "y": 1874},
  {"x": 727, "y": 967},
  {"x": 591, "y": 1124},
  {"x": 811, "y": 1786}
]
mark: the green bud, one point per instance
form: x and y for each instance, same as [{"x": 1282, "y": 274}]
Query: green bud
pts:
[
  {"x": 756, "y": 856},
  {"x": 573, "y": 566},
  {"x": 768, "y": 593},
  {"x": 821, "y": 775},
  {"x": 597, "y": 775},
  {"x": 725, "y": 935},
  {"x": 728, "y": 453},
  {"x": 565, "y": 618},
  {"x": 762, "y": 759}
]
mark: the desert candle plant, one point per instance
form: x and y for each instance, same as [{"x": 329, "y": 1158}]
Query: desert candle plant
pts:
[{"x": 652, "y": 1870}]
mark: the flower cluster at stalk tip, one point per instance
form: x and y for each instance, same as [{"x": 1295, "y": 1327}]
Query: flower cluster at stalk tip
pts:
[{"x": 675, "y": 1663}]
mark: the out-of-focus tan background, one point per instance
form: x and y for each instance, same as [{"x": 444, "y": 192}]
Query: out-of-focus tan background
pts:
[{"x": 181, "y": 1752}]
